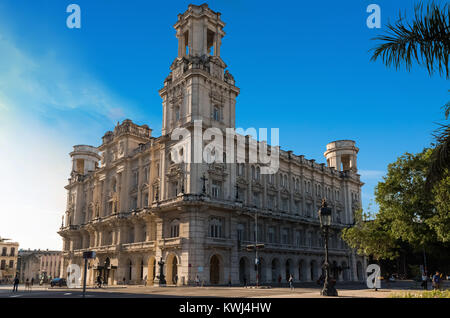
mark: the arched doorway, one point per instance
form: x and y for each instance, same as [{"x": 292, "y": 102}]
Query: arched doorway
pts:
[
  {"x": 107, "y": 267},
  {"x": 129, "y": 270},
  {"x": 345, "y": 273},
  {"x": 313, "y": 270},
  {"x": 172, "y": 269},
  {"x": 335, "y": 270},
  {"x": 359, "y": 271},
  {"x": 151, "y": 271},
  {"x": 214, "y": 270},
  {"x": 288, "y": 269},
  {"x": 275, "y": 270},
  {"x": 262, "y": 271},
  {"x": 243, "y": 277},
  {"x": 301, "y": 270}
]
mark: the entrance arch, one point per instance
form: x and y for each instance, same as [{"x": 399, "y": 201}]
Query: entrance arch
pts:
[
  {"x": 214, "y": 270},
  {"x": 243, "y": 271},
  {"x": 262, "y": 270},
  {"x": 313, "y": 270},
  {"x": 172, "y": 269},
  {"x": 151, "y": 271},
  {"x": 288, "y": 269},
  {"x": 359, "y": 271},
  {"x": 107, "y": 267},
  {"x": 345, "y": 272},
  {"x": 129, "y": 270},
  {"x": 275, "y": 270},
  {"x": 335, "y": 270},
  {"x": 301, "y": 271}
]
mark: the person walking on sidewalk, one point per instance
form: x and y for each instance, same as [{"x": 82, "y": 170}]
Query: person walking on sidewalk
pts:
[
  {"x": 437, "y": 281},
  {"x": 291, "y": 282},
  {"x": 16, "y": 284}
]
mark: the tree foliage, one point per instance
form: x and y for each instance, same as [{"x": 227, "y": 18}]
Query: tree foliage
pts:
[{"x": 408, "y": 214}]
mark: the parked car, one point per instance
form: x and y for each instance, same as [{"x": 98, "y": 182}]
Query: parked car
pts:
[{"x": 58, "y": 282}]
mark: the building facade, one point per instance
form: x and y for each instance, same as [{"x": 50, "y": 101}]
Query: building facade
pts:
[
  {"x": 39, "y": 265},
  {"x": 134, "y": 203},
  {"x": 8, "y": 259}
]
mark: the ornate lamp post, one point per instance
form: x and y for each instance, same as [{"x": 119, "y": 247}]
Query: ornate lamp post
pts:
[{"x": 325, "y": 223}]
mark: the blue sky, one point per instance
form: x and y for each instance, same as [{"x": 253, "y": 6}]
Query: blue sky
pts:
[{"x": 302, "y": 66}]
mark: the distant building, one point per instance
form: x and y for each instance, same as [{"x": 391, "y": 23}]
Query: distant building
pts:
[
  {"x": 8, "y": 259},
  {"x": 39, "y": 264}
]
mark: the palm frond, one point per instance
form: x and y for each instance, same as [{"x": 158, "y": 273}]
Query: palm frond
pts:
[
  {"x": 447, "y": 110},
  {"x": 426, "y": 40}
]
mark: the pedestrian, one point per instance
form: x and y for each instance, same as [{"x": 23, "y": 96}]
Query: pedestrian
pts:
[
  {"x": 424, "y": 281},
  {"x": 16, "y": 284},
  {"x": 99, "y": 281},
  {"x": 197, "y": 281},
  {"x": 32, "y": 281},
  {"x": 279, "y": 279},
  {"x": 124, "y": 281},
  {"x": 436, "y": 281},
  {"x": 291, "y": 282},
  {"x": 145, "y": 280},
  {"x": 176, "y": 280},
  {"x": 27, "y": 284},
  {"x": 229, "y": 281},
  {"x": 245, "y": 281}
]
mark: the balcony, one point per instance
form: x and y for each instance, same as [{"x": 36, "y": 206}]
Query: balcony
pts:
[
  {"x": 170, "y": 242},
  {"x": 139, "y": 246},
  {"x": 220, "y": 242}
]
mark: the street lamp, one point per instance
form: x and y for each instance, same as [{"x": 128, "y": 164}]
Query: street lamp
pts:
[{"x": 325, "y": 223}]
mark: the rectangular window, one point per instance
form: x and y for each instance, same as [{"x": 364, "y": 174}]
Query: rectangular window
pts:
[
  {"x": 135, "y": 178},
  {"x": 298, "y": 238},
  {"x": 3, "y": 264},
  {"x": 256, "y": 199},
  {"x": 271, "y": 234},
  {"x": 4, "y": 251},
  {"x": 284, "y": 205},
  {"x": 285, "y": 236},
  {"x": 145, "y": 200},
  {"x": 271, "y": 202},
  {"x": 12, "y": 252},
  {"x": 133, "y": 203},
  {"x": 216, "y": 189}
]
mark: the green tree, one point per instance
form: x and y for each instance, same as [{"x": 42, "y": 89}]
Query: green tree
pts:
[
  {"x": 440, "y": 221},
  {"x": 369, "y": 237},
  {"x": 410, "y": 217}
]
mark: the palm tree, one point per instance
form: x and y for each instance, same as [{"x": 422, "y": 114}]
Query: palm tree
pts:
[{"x": 425, "y": 40}]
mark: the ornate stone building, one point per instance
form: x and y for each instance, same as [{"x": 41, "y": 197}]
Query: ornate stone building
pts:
[{"x": 133, "y": 204}]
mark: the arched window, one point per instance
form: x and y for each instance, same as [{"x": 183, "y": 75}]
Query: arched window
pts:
[
  {"x": 258, "y": 173},
  {"x": 253, "y": 173},
  {"x": 215, "y": 228}
]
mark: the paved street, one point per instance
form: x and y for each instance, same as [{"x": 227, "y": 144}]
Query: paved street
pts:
[{"x": 304, "y": 291}]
